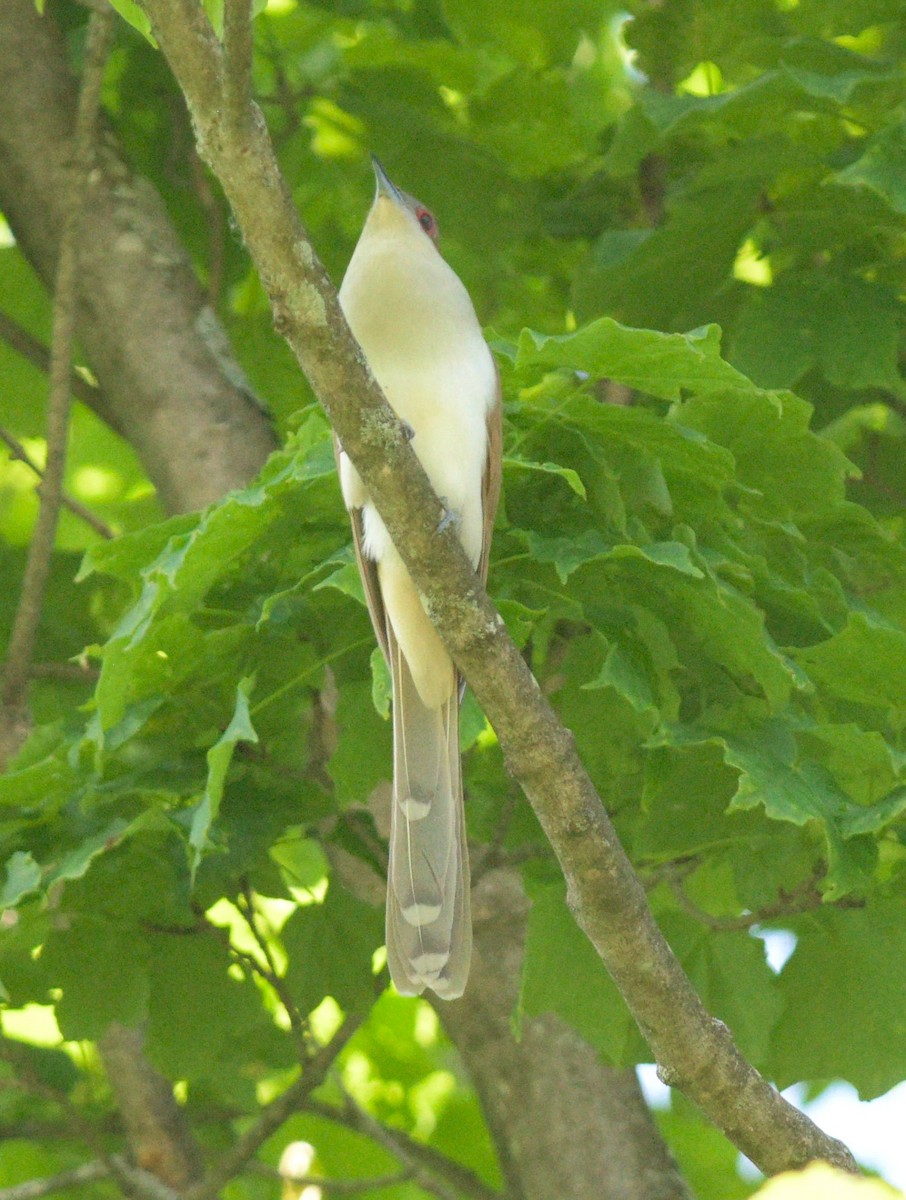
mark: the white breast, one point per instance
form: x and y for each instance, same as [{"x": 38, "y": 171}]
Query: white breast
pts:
[{"x": 418, "y": 329}]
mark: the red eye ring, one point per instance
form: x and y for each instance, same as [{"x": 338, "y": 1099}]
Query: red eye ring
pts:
[{"x": 426, "y": 220}]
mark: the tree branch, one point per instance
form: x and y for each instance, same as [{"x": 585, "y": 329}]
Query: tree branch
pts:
[
  {"x": 551, "y": 1080},
  {"x": 695, "y": 1051},
  {"x": 133, "y": 1180},
  {"x": 144, "y": 322},
  {"x": 37, "y": 571},
  {"x": 157, "y": 1129},
  {"x": 272, "y": 1116},
  {"x": 35, "y": 1189},
  {"x": 38, "y": 355},
  {"x": 431, "y": 1170}
]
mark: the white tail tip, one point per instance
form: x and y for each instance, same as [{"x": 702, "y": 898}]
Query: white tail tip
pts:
[
  {"x": 421, "y": 914},
  {"x": 414, "y": 810}
]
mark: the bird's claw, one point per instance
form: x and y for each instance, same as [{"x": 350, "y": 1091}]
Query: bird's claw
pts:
[
  {"x": 449, "y": 518},
  {"x": 408, "y": 431}
]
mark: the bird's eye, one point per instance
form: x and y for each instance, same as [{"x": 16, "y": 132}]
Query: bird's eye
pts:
[{"x": 426, "y": 220}]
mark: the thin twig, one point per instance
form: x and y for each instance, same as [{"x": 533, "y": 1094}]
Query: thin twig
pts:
[
  {"x": 67, "y": 672},
  {"x": 805, "y": 899},
  {"x": 433, "y": 1171},
  {"x": 272, "y": 1116},
  {"x": 18, "y": 453},
  {"x": 136, "y": 1182},
  {"x": 38, "y": 355},
  {"x": 37, "y": 570},
  {"x": 340, "y": 1187},
  {"x": 133, "y": 1180},
  {"x": 34, "y": 1189},
  {"x": 304, "y": 1041}
]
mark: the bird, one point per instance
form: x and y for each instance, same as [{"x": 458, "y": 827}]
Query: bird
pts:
[{"x": 417, "y": 327}]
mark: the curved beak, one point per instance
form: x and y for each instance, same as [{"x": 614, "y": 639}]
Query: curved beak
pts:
[{"x": 385, "y": 186}]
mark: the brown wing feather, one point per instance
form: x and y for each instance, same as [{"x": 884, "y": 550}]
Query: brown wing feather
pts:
[
  {"x": 367, "y": 571},
  {"x": 490, "y": 496},
  {"x": 490, "y": 484}
]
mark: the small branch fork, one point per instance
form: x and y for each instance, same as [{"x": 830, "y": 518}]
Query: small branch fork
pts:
[{"x": 270, "y": 973}]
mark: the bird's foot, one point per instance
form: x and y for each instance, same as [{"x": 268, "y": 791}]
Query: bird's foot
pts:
[
  {"x": 408, "y": 431},
  {"x": 449, "y": 518}
]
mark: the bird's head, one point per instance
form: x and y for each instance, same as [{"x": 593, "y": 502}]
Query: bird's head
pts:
[{"x": 396, "y": 212}]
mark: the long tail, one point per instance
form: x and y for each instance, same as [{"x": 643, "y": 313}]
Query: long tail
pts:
[{"x": 429, "y": 926}]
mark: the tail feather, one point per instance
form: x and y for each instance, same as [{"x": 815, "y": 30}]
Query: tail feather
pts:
[{"x": 429, "y": 928}]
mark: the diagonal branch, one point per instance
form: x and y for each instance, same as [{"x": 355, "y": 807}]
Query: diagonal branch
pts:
[
  {"x": 38, "y": 355},
  {"x": 157, "y": 1130},
  {"x": 18, "y": 453},
  {"x": 35, "y": 1189},
  {"x": 695, "y": 1052},
  {"x": 431, "y": 1169},
  {"x": 272, "y": 1116}
]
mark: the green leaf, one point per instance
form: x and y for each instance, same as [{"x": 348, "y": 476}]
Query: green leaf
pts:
[
  {"x": 364, "y": 752},
  {"x": 881, "y": 167},
  {"x": 381, "y": 684},
  {"x": 772, "y": 776},
  {"x": 568, "y": 554},
  {"x": 563, "y": 974},
  {"x": 23, "y": 877},
  {"x": 793, "y": 472},
  {"x": 623, "y": 671},
  {"x": 565, "y": 473},
  {"x": 76, "y": 862},
  {"x": 864, "y": 663},
  {"x": 859, "y": 954},
  {"x": 634, "y": 276},
  {"x": 729, "y": 971},
  {"x": 659, "y": 364},
  {"x": 240, "y": 729},
  {"x": 329, "y": 947},
  {"x": 136, "y": 16},
  {"x": 43, "y": 782},
  {"x": 102, "y": 970},
  {"x": 301, "y": 859},
  {"x": 195, "y": 1009},
  {"x": 847, "y": 328},
  {"x": 828, "y": 71}
]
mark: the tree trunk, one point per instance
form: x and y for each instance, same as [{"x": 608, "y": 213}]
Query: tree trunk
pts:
[
  {"x": 566, "y": 1124},
  {"x": 169, "y": 381}
]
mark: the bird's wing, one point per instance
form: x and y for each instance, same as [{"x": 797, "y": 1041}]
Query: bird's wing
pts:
[
  {"x": 367, "y": 570},
  {"x": 490, "y": 483}
]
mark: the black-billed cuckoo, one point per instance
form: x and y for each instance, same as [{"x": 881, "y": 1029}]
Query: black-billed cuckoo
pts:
[{"x": 415, "y": 322}]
